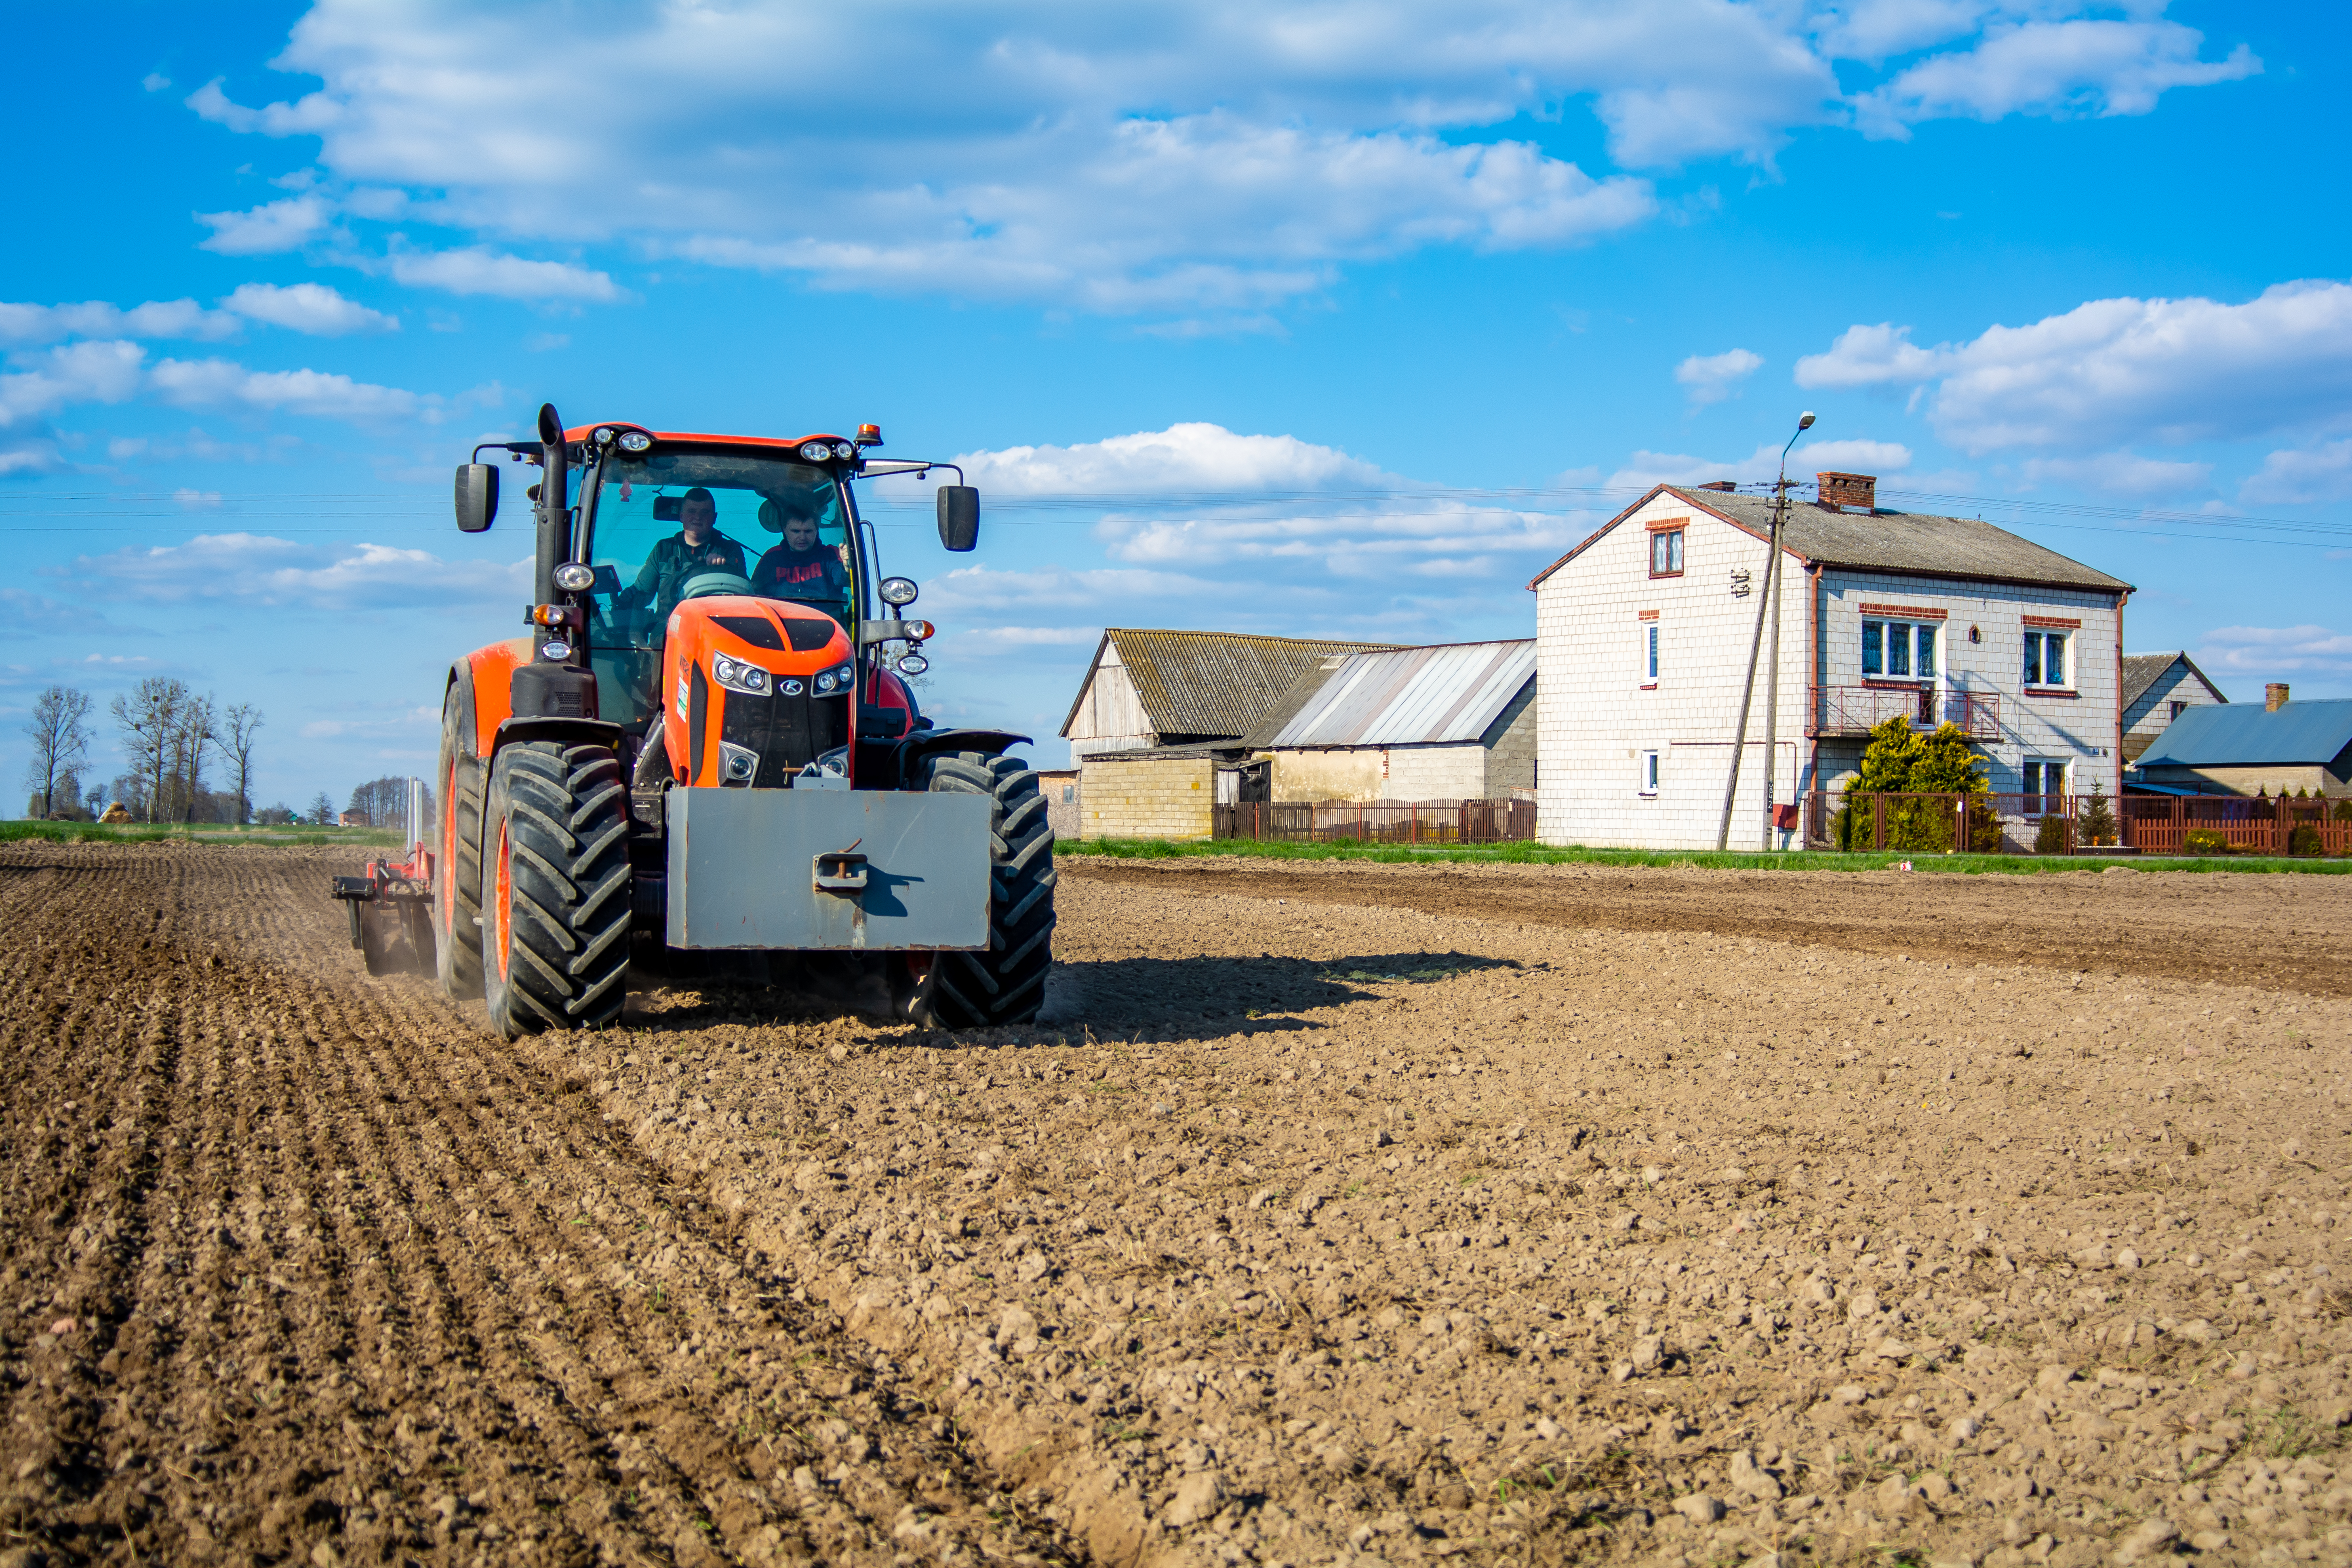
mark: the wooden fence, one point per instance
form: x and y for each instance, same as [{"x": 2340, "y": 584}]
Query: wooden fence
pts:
[
  {"x": 1378, "y": 821},
  {"x": 2054, "y": 824}
]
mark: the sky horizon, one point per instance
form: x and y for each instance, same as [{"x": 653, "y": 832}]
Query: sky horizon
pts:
[{"x": 1292, "y": 319}]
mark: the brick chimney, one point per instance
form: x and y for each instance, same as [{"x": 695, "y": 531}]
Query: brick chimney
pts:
[
  {"x": 1859, "y": 491},
  {"x": 1721, "y": 485},
  {"x": 2275, "y": 697}
]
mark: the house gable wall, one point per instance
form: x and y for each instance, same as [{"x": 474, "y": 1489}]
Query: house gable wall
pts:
[
  {"x": 2149, "y": 717},
  {"x": 1108, "y": 715}
]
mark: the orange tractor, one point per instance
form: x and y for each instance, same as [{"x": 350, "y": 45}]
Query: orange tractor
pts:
[{"x": 702, "y": 745}]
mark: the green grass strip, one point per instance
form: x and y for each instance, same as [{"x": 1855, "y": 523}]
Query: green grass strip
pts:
[{"x": 1525, "y": 854}]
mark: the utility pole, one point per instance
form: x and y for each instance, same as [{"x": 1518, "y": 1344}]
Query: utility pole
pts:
[{"x": 1767, "y": 604}]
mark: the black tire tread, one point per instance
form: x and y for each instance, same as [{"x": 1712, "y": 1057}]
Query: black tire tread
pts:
[
  {"x": 1007, "y": 983},
  {"x": 457, "y": 958},
  {"x": 567, "y": 816}
]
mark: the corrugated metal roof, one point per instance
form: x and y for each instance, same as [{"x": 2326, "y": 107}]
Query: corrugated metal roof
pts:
[
  {"x": 1920, "y": 544},
  {"x": 1214, "y": 683},
  {"x": 2243, "y": 736},
  {"x": 1409, "y": 697}
]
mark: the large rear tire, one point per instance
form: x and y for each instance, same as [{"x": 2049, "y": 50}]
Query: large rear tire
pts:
[
  {"x": 556, "y": 888},
  {"x": 458, "y": 869},
  {"x": 1005, "y": 984}
]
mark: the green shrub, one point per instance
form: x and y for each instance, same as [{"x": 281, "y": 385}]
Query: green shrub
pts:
[
  {"x": 1984, "y": 828},
  {"x": 2205, "y": 841},
  {"x": 2050, "y": 836},
  {"x": 2304, "y": 840},
  {"x": 2099, "y": 819}
]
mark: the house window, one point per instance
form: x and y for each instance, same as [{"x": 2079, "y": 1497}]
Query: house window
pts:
[
  {"x": 1666, "y": 552},
  {"x": 1648, "y": 776},
  {"x": 1898, "y": 650},
  {"x": 2045, "y": 658},
  {"x": 1647, "y": 659},
  {"x": 2178, "y": 707},
  {"x": 2045, "y": 784}
]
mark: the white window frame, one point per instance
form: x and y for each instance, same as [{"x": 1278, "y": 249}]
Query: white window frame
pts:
[
  {"x": 2038, "y": 639},
  {"x": 1645, "y": 654},
  {"x": 1911, "y": 638},
  {"x": 2034, "y": 774},
  {"x": 1645, "y": 774}
]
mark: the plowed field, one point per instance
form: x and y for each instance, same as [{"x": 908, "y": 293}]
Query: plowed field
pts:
[{"x": 1367, "y": 1215}]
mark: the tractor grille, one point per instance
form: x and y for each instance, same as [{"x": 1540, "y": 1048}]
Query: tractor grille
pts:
[{"x": 788, "y": 732}]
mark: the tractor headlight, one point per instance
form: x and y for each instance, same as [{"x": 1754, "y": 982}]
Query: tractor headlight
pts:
[
  {"x": 899, "y": 592},
  {"x": 736, "y": 675},
  {"x": 844, "y": 450},
  {"x": 574, "y": 578},
  {"x": 634, "y": 440},
  {"x": 913, "y": 664},
  {"x": 737, "y": 765},
  {"x": 835, "y": 679},
  {"x": 817, "y": 451}
]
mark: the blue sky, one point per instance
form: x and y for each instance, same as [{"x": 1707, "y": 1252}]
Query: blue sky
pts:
[{"x": 1298, "y": 318}]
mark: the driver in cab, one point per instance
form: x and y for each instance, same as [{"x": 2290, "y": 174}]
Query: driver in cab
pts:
[{"x": 697, "y": 547}]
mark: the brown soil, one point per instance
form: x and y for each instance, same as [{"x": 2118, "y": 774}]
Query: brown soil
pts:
[{"x": 1528, "y": 1216}]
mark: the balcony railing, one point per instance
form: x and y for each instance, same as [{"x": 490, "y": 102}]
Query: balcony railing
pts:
[{"x": 1859, "y": 709}]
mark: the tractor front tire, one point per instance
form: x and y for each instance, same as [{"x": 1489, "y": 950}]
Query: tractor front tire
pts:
[
  {"x": 458, "y": 869},
  {"x": 1005, "y": 984},
  {"x": 556, "y": 901}
]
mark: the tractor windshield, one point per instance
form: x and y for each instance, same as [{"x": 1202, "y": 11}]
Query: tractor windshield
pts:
[{"x": 676, "y": 525}]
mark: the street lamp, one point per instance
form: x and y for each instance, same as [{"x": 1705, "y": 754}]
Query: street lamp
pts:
[
  {"x": 1766, "y": 603},
  {"x": 1772, "y": 588}
]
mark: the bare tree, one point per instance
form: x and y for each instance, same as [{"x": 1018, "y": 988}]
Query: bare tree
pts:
[
  {"x": 322, "y": 810},
  {"x": 150, "y": 718},
  {"x": 236, "y": 746},
  {"x": 60, "y": 742},
  {"x": 190, "y": 741}
]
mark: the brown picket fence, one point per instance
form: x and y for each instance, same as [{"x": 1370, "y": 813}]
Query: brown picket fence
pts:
[{"x": 1405, "y": 821}]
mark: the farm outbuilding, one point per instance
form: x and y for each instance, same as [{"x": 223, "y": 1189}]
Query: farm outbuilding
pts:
[
  {"x": 1146, "y": 687},
  {"x": 1455, "y": 721}
]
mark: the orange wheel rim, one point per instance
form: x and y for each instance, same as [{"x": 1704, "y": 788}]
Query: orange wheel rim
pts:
[{"x": 499, "y": 904}]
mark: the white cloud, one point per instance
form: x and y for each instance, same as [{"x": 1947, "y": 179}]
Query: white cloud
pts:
[
  {"x": 194, "y": 499},
  {"x": 2052, "y": 69},
  {"x": 286, "y": 225},
  {"x": 311, "y": 308},
  {"x": 2117, "y": 370},
  {"x": 1851, "y": 456},
  {"x": 76, "y": 373},
  {"x": 2120, "y": 473},
  {"x": 154, "y": 82},
  {"x": 1215, "y": 156},
  {"x": 2274, "y": 651},
  {"x": 1194, "y": 458},
  {"x": 26, "y": 325},
  {"x": 219, "y": 382},
  {"x": 1868, "y": 356},
  {"x": 259, "y": 569},
  {"x": 1643, "y": 469},
  {"x": 475, "y": 270},
  {"x": 1714, "y": 377},
  {"x": 2321, "y": 473}
]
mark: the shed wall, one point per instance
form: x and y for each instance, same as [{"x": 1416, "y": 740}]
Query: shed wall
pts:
[{"x": 1147, "y": 798}]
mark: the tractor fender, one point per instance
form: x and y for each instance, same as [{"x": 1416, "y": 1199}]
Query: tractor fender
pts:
[
  {"x": 488, "y": 674},
  {"x": 901, "y": 761}
]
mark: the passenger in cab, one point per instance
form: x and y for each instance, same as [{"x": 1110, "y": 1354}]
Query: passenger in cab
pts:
[{"x": 803, "y": 567}]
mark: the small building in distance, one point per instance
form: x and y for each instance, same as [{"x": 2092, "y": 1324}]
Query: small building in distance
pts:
[
  {"x": 1146, "y": 687},
  {"x": 2280, "y": 748},
  {"x": 1455, "y": 721},
  {"x": 2157, "y": 688}
]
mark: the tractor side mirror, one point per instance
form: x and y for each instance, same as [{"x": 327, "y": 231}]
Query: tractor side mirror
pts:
[
  {"x": 959, "y": 517},
  {"x": 477, "y": 497}
]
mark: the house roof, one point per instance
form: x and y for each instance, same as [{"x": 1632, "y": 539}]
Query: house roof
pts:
[
  {"x": 1914, "y": 543},
  {"x": 2142, "y": 671},
  {"x": 1402, "y": 697},
  {"x": 2243, "y": 736},
  {"x": 1208, "y": 683}
]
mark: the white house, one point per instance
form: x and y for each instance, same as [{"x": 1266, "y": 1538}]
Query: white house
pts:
[{"x": 1642, "y": 635}]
